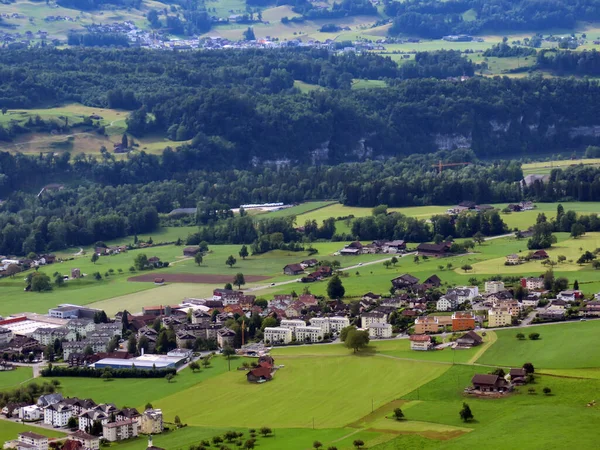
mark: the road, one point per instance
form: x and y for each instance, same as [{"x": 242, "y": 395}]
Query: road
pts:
[{"x": 357, "y": 266}]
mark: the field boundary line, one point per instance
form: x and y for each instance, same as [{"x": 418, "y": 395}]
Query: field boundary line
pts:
[
  {"x": 348, "y": 435},
  {"x": 493, "y": 338}
]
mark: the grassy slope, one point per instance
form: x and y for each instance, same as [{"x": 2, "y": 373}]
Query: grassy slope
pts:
[
  {"x": 296, "y": 388},
  {"x": 558, "y": 348},
  {"x": 12, "y": 378}
]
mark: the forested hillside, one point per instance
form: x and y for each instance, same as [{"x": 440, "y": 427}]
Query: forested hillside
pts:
[
  {"x": 434, "y": 19},
  {"x": 240, "y": 109}
]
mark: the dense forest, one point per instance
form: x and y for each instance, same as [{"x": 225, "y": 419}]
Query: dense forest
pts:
[
  {"x": 240, "y": 109},
  {"x": 434, "y": 19},
  {"x": 569, "y": 62},
  {"x": 92, "y": 209}
]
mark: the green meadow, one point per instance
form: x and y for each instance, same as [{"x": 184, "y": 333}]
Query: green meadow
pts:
[
  {"x": 9, "y": 431},
  {"x": 12, "y": 378}
]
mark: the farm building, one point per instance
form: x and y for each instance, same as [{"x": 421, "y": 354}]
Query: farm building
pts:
[{"x": 191, "y": 251}]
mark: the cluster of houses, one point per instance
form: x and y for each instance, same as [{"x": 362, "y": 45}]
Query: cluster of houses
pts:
[
  {"x": 264, "y": 370},
  {"x": 425, "y": 342},
  {"x": 356, "y": 248},
  {"x": 11, "y": 266},
  {"x": 492, "y": 384},
  {"x": 93, "y": 421},
  {"x": 290, "y": 330},
  {"x": 514, "y": 259}
]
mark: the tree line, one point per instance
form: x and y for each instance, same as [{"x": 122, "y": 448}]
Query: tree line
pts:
[{"x": 434, "y": 19}]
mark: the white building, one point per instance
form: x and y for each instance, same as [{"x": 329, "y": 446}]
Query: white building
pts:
[
  {"x": 35, "y": 440},
  {"x": 6, "y": 336},
  {"x": 493, "y": 287},
  {"x": 292, "y": 324},
  {"x": 330, "y": 324},
  {"x": 380, "y": 330},
  {"x": 47, "y": 335},
  {"x": 58, "y": 414},
  {"x": 87, "y": 419},
  {"x": 277, "y": 335},
  {"x": 568, "y": 296},
  {"x": 31, "y": 413},
  {"x": 420, "y": 342},
  {"x": 464, "y": 293},
  {"x": 309, "y": 334},
  {"x": 448, "y": 302},
  {"x": 367, "y": 319},
  {"x": 81, "y": 326},
  {"x": 151, "y": 422},
  {"x": 119, "y": 431},
  {"x": 533, "y": 283}
]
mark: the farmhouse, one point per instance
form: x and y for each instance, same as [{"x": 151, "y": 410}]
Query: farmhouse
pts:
[
  {"x": 489, "y": 383},
  {"x": 518, "y": 376},
  {"x": 432, "y": 282},
  {"x": 512, "y": 259},
  {"x": 470, "y": 339},
  {"x": 420, "y": 342},
  {"x": 435, "y": 250},
  {"x": 191, "y": 251},
  {"x": 404, "y": 281},
  {"x": 540, "y": 254},
  {"x": 261, "y": 374},
  {"x": 293, "y": 269}
]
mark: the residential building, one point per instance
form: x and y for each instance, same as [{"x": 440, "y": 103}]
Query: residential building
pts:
[
  {"x": 309, "y": 334},
  {"x": 38, "y": 441},
  {"x": 88, "y": 441},
  {"x": 532, "y": 283},
  {"x": 492, "y": 287},
  {"x": 58, "y": 414},
  {"x": 427, "y": 324},
  {"x": 530, "y": 301},
  {"x": 333, "y": 324},
  {"x": 448, "y": 302},
  {"x": 367, "y": 319},
  {"x": 31, "y": 413},
  {"x": 46, "y": 336},
  {"x": 404, "y": 281},
  {"x": 225, "y": 337},
  {"x": 292, "y": 324},
  {"x": 489, "y": 383},
  {"x": 380, "y": 330},
  {"x": 151, "y": 422},
  {"x": 81, "y": 326},
  {"x": 470, "y": 339},
  {"x": 128, "y": 413},
  {"x": 464, "y": 293},
  {"x": 97, "y": 345},
  {"x": 569, "y": 296},
  {"x": 293, "y": 269},
  {"x": 512, "y": 259},
  {"x": 49, "y": 399},
  {"x": 420, "y": 342},
  {"x": 119, "y": 431},
  {"x": 462, "y": 321},
  {"x": 79, "y": 406},
  {"x": 499, "y": 317},
  {"x": 6, "y": 336},
  {"x": 277, "y": 335},
  {"x": 87, "y": 418},
  {"x": 552, "y": 314}
]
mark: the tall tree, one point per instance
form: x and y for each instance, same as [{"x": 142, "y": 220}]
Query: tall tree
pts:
[{"x": 335, "y": 288}]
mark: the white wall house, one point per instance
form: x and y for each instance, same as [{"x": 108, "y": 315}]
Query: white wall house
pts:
[
  {"x": 87, "y": 419},
  {"x": 330, "y": 324},
  {"x": 492, "y": 287},
  {"x": 277, "y": 335},
  {"x": 292, "y": 324},
  {"x": 38, "y": 441},
  {"x": 448, "y": 302},
  {"x": 31, "y": 413},
  {"x": 310, "y": 334},
  {"x": 119, "y": 431},
  {"x": 380, "y": 330},
  {"x": 367, "y": 319},
  {"x": 58, "y": 414}
]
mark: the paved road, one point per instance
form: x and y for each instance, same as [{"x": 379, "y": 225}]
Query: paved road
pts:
[{"x": 357, "y": 266}]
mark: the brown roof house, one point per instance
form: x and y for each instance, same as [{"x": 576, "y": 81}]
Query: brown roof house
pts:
[
  {"x": 264, "y": 372},
  {"x": 518, "y": 376},
  {"x": 489, "y": 383},
  {"x": 404, "y": 281},
  {"x": 470, "y": 339},
  {"x": 293, "y": 269},
  {"x": 191, "y": 251},
  {"x": 434, "y": 249}
]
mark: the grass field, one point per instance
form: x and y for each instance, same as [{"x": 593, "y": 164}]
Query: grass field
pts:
[
  {"x": 545, "y": 167},
  {"x": 327, "y": 377},
  {"x": 12, "y": 378},
  {"x": 558, "y": 347},
  {"x": 9, "y": 431}
]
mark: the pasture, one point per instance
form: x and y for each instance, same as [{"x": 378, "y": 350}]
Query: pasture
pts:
[
  {"x": 558, "y": 347},
  {"x": 291, "y": 397},
  {"x": 12, "y": 378},
  {"x": 545, "y": 167}
]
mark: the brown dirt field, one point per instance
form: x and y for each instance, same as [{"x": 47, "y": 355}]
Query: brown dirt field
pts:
[{"x": 193, "y": 278}]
